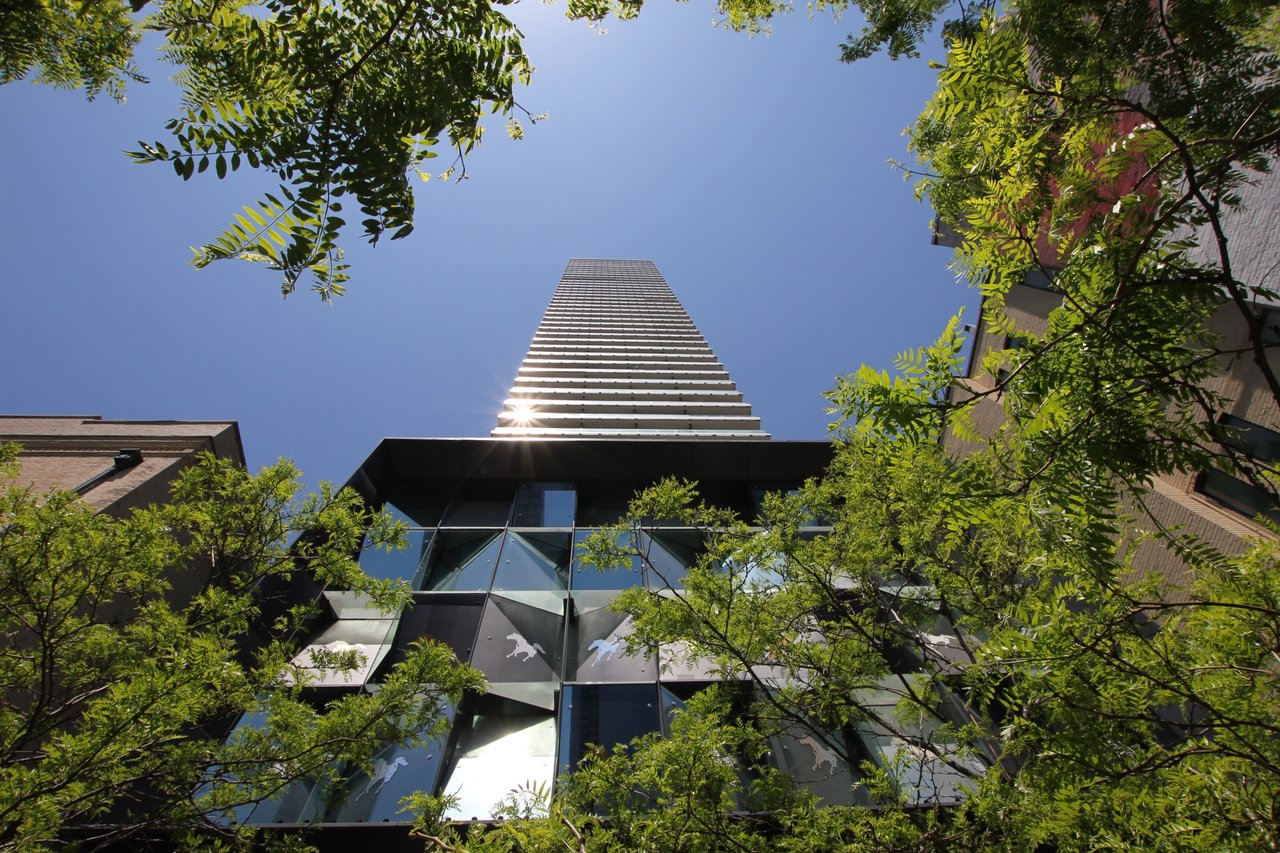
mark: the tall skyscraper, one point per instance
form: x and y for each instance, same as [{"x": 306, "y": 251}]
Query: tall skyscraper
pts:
[
  {"x": 617, "y": 356},
  {"x": 629, "y": 392}
]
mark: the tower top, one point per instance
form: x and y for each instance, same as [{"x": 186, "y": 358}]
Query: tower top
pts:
[{"x": 617, "y": 356}]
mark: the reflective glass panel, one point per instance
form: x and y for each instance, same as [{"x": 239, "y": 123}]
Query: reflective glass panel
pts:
[
  {"x": 758, "y": 497},
  {"x": 604, "y": 714},
  {"x": 920, "y": 763},
  {"x": 915, "y": 755},
  {"x": 397, "y": 772},
  {"x": 480, "y": 505},
  {"x": 462, "y": 560},
  {"x": 1254, "y": 439},
  {"x": 587, "y": 577},
  {"x": 679, "y": 663},
  {"x": 819, "y": 764},
  {"x": 533, "y": 561},
  {"x": 544, "y": 505},
  {"x": 415, "y": 508},
  {"x": 451, "y": 620},
  {"x": 1241, "y": 496},
  {"x": 598, "y": 649},
  {"x": 298, "y": 801},
  {"x": 398, "y": 565},
  {"x": 368, "y": 639},
  {"x": 604, "y": 503},
  {"x": 668, "y": 557},
  {"x": 496, "y": 753},
  {"x": 518, "y": 642}
]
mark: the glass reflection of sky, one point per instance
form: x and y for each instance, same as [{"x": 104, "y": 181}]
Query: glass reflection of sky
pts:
[{"x": 494, "y": 756}]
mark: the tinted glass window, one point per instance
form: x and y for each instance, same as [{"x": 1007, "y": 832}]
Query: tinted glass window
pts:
[
  {"x": 598, "y": 649},
  {"x": 362, "y": 642},
  {"x": 297, "y": 802},
  {"x": 478, "y": 513},
  {"x": 604, "y": 714},
  {"x": 668, "y": 557},
  {"x": 544, "y": 505},
  {"x": 398, "y": 565},
  {"x": 588, "y": 577},
  {"x": 1254, "y": 439},
  {"x": 518, "y": 642},
  {"x": 494, "y": 754},
  {"x": 532, "y": 561},
  {"x": 452, "y": 621},
  {"x": 1241, "y": 496},
  {"x": 397, "y": 771},
  {"x": 415, "y": 508},
  {"x": 603, "y": 503},
  {"x": 462, "y": 560},
  {"x": 818, "y": 764}
]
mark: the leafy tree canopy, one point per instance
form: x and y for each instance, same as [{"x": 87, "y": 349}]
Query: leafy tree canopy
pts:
[
  {"x": 118, "y": 679},
  {"x": 968, "y": 630},
  {"x": 345, "y": 104},
  {"x": 972, "y": 642}
]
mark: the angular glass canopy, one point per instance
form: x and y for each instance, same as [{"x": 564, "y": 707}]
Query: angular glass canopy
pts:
[{"x": 462, "y": 560}]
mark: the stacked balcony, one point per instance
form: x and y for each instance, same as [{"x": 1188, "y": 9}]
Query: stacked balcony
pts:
[{"x": 617, "y": 355}]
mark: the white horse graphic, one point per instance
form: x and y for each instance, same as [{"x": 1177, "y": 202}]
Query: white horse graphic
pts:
[
  {"x": 524, "y": 647},
  {"x": 382, "y": 773},
  {"x": 604, "y": 649},
  {"x": 821, "y": 755}
]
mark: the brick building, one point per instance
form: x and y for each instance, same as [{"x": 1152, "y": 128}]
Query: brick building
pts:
[{"x": 1213, "y": 505}]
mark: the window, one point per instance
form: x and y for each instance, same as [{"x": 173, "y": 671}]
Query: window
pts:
[
  {"x": 604, "y": 714},
  {"x": 520, "y": 641},
  {"x": 1260, "y": 444},
  {"x": 496, "y": 752},
  {"x": 598, "y": 646},
  {"x": 1042, "y": 279},
  {"x": 544, "y": 505},
  {"x": 297, "y": 801},
  {"x": 1243, "y": 497},
  {"x": 480, "y": 504},
  {"x": 1256, "y": 440},
  {"x": 398, "y": 565},
  {"x": 361, "y": 642},
  {"x": 669, "y": 555},
  {"x": 929, "y": 766},
  {"x": 1018, "y": 342},
  {"x": 818, "y": 762},
  {"x": 397, "y": 772},
  {"x": 463, "y": 560},
  {"x": 1270, "y": 319},
  {"x": 533, "y": 561},
  {"x": 414, "y": 508},
  {"x": 588, "y": 577}
]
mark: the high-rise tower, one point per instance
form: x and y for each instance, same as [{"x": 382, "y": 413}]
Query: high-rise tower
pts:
[
  {"x": 617, "y": 356},
  {"x": 629, "y": 393}
]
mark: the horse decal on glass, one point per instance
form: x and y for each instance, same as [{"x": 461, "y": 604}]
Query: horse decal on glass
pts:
[
  {"x": 821, "y": 754},
  {"x": 382, "y": 773},
  {"x": 603, "y": 649},
  {"x": 524, "y": 647}
]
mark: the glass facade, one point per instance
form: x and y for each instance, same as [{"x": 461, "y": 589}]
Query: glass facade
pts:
[
  {"x": 494, "y": 753},
  {"x": 628, "y": 573},
  {"x": 373, "y": 795},
  {"x": 607, "y": 715},
  {"x": 497, "y": 575}
]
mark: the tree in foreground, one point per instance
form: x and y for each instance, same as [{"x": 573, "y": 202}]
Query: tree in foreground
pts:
[
  {"x": 970, "y": 656},
  {"x": 116, "y": 691},
  {"x": 346, "y": 105},
  {"x": 969, "y": 632}
]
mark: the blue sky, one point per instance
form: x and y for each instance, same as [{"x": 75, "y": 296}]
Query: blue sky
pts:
[{"x": 751, "y": 170}]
